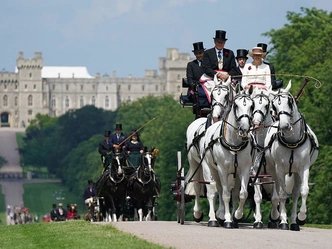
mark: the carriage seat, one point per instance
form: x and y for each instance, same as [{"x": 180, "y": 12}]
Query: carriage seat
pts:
[{"x": 197, "y": 99}]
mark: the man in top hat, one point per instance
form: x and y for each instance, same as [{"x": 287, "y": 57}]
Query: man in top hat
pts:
[
  {"x": 105, "y": 149},
  {"x": 117, "y": 138},
  {"x": 89, "y": 192},
  {"x": 219, "y": 60},
  {"x": 194, "y": 68},
  {"x": 274, "y": 83},
  {"x": 241, "y": 58}
]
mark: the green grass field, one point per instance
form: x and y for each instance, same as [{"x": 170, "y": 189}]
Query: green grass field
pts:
[
  {"x": 39, "y": 197},
  {"x": 69, "y": 234}
]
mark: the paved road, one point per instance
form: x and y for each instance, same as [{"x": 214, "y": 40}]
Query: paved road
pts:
[
  {"x": 197, "y": 235},
  {"x": 11, "y": 188}
]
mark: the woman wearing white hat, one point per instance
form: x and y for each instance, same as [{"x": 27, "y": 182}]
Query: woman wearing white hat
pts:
[{"x": 256, "y": 73}]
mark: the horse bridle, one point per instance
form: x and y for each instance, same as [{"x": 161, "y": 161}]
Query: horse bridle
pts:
[
  {"x": 259, "y": 111},
  {"x": 214, "y": 101}
]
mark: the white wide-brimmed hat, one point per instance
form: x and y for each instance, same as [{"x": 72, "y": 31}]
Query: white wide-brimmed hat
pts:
[{"x": 256, "y": 51}]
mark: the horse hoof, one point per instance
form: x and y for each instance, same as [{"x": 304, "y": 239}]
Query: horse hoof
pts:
[
  {"x": 274, "y": 220},
  {"x": 283, "y": 226},
  {"x": 221, "y": 222},
  {"x": 236, "y": 220},
  {"x": 228, "y": 225},
  {"x": 272, "y": 225},
  {"x": 294, "y": 227},
  {"x": 213, "y": 223},
  {"x": 198, "y": 219},
  {"x": 258, "y": 225},
  {"x": 300, "y": 222}
]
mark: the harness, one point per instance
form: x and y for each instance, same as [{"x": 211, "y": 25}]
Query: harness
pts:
[{"x": 304, "y": 135}]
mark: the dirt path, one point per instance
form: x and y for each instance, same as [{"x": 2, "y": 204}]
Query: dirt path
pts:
[
  {"x": 197, "y": 235},
  {"x": 11, "y": 174}
]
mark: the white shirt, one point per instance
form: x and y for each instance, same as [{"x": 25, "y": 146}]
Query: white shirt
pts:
[{"x": 252, "y": 74}]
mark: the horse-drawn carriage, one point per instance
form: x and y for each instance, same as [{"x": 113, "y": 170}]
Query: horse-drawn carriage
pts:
[
  {"x": 248, "y": 144},
  {"x": 129, "y": 192}
]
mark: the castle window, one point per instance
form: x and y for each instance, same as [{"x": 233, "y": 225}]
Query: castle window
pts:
[
  {"x": 157, "y": 87},
  {"x": 5, "y": 100},
  {"x": 67, "y": 102},
  {"x": 178, "y": 77},
  {"x": 15, "y": 86},
  {"x": 30, "y": 112},
  {"x": 15, "y": 101},
  {"x": 53, "y": 104},
  {"x": 81, "y": 101},
  {"x": 106, "y": 88},
  {"x": 93, "y": 100},
  {"x": 178, "y": 88},
  {"x": 67, "y": 87},
  {"x": 53, "y": 87},
  {"x": 129, "y": 86},
  {"x": 30, "y": 100},
  {"x": 34, "y": 86},
  {"x": 5, "y": 86},
  {"x": 26, "y": 86},
  {"x": 93, "y": 87},
  {"x": 30, "y": 75},
  {"x": 143, "y": 87},
  {"x": 107, "y": 102},
  {"x": 81, "y": 87}
]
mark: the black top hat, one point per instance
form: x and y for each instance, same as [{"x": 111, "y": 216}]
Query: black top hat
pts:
[
  {"x": 90, "y": 182},
  {"x": 198, "y": 46},
  {"x": 118, "y": 127},
  {"x": 241, "y": 53},
  {"x": 220, "y": 35},
  {"x": 263, "y": 46},
  {"x": 107, "y": 133}
]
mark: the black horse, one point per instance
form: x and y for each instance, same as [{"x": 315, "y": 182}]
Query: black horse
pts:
[
  {"x": 112, "y": 185},
  {"x": 144, "y": 186}
]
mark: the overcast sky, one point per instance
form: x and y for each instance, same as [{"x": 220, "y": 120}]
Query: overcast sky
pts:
[{"x": 128, "y": 36}]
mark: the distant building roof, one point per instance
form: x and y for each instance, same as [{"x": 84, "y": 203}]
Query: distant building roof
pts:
[{"x": 65, "y": 72}]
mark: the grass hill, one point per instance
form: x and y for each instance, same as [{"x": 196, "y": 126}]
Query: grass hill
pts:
[{"x": 69, "y": 234}]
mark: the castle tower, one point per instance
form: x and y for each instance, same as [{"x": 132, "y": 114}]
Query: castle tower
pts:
[
  {"x": 31, "y": 96},
  {"x": 173, "y": 68}
]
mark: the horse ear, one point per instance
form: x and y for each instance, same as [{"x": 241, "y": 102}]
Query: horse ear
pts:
[{"x": 288, "y": 86}]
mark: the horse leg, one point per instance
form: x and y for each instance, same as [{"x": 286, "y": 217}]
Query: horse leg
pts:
[
  {"x": 243, "y": 196},
  {"x": 258, "y": 213},
  {"x": 198, "y": 215},
  {"x": 282, "y": 204},
  {"x": 301, "y": 217}
]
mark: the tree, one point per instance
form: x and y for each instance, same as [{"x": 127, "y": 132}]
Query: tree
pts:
[{"x": 302, "y": 48}]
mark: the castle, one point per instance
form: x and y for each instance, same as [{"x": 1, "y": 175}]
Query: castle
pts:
[{"x": 34, "y": 88}]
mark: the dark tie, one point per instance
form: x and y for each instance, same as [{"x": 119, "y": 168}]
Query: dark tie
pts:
[{"x": 219, "y": 55}]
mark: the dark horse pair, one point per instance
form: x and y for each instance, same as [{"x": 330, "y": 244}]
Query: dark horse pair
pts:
[{"x": 126, "y": 188}]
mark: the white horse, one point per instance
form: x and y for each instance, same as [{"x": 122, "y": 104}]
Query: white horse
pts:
[
  {"x": 261, "y": 121},
  {"x": 291, "y": 148},
  {"x": 227, "y": 154},
  {"x": 221, "y": 97}
]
